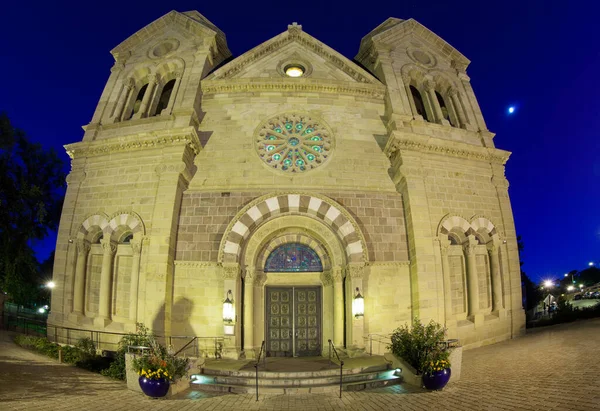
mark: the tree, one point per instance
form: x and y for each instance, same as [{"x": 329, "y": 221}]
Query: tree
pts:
[
  {"x": 532, "y": 294},
  {"x": 32, "y": 182}
]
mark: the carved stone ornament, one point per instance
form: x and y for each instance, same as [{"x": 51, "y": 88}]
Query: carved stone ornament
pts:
[
  {"x": 471, "y": 245},
  {"x": 260, "y": 280},
  {"x": 326, "y": 278},
  {"x": 231, "y": 271},
  {"x": 444, "y": 245},
  {"x": 337, "y": 274},
  {"x": 136, "y": 246},
  {"x": 108, "y": 246},
  {"x": 83, "y": 247},
  {"x": 356, "y": 271}
]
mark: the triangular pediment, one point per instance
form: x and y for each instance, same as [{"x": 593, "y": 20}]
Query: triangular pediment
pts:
[
  {"x": 266, "y": 60},
  {"x": 393, "y": 30},
  {"x": 191, "y": 23}
]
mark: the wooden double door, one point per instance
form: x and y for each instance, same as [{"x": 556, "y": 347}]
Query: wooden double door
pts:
[{"x": 293, "y": 321}]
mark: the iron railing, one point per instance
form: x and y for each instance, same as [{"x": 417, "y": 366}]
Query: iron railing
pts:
[
  {"x": 260, "y": 354},
  {"x": 332, "y": 349},
  {"x": 378, "y": 339}
]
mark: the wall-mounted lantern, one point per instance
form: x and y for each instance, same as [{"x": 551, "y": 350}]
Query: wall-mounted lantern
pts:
[
  {"x": 228, "y": 314},
  {"x": 358, "y": 305}
]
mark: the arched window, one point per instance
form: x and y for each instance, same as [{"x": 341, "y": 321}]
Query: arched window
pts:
[
  {"x": 293, "y": 257},
  {"x": 165, "y": 96},
  {"x": 138, "y": 100},
  {"x": 419, "y": 103},
  {"x": 445, "y": 112}
]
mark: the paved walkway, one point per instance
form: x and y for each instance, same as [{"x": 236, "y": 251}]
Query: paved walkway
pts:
[{"x": 553, "y": 368}]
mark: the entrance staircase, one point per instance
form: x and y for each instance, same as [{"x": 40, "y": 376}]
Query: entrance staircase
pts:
[{"x": 295, "y": 375}]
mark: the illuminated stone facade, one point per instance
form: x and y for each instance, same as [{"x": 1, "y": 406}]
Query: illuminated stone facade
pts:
[{"x": 186, "y": 180}]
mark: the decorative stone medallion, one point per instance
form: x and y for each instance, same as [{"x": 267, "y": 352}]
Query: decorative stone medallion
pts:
[
  {"x": 422, "y": 57},
  {"x": 293, "y": 143}
]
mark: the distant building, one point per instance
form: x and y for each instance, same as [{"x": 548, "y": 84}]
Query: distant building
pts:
[{"x": 287, "y": 180}]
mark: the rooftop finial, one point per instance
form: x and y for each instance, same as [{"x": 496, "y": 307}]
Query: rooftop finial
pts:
[{"x": 294, "y": 27}]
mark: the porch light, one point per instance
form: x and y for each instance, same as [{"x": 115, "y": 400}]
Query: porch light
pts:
[
  {"x": 228, "y": 313},
  {"x": 358, "y": 305}
]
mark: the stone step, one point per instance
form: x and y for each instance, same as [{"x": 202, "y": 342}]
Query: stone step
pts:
[
  {"x": 285, "y": 389},
  {"x": 251, "y": 373},
  {"x": 283, "y": 379}
]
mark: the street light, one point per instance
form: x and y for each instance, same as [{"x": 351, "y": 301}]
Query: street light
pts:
[
  {"x": 548, "y": 284},
  {"x": 591, "y": 263},
  {"x": 50, "y": 284},
  {"x": 570, "y": 288}
]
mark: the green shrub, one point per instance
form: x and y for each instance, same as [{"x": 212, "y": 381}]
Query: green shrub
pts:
[
  {"x": 421, "y": 346},
  {"x": 140, "y": 338}
]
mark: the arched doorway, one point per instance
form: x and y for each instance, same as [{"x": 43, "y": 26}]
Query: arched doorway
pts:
[{"x": 293, "y": 313}]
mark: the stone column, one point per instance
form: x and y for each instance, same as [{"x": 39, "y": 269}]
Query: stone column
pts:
[
  {"x": 127, "y": 86},
  {"x": 83, "y": 248},
  {"x": 146, "y": 99},
  {"x": 435, "y": 104},
  {"x": 493, "y": 248},
  {"x": 109, "y": 249},
  {"x": 411, "y": 100},
  {"x": 453, "y": 93},
  {"x": 136, "y": 247},
  {"x": 338, "y": 307},
  {"x": 169, "y": 108},
  {"x": 472, "y": 279},
  {"x": 249, "y": 313},
  {"x": 444, "y": 246},
  {"x": 328, "y": 310},
  {"x": 356, "y": 273},
  {"x": 231, "y": 276}
]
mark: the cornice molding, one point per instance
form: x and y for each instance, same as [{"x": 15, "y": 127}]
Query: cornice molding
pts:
[
  {"x": 389, "y": 264},
  {"x": 460, "y": 150},
  {"x": 136, "y": 142},
  {"x": 375, "y": 91}
]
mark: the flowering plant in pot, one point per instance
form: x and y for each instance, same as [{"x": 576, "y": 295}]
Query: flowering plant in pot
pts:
[
  {"x": 157, "y": 368},
  {"x": 423, "y": 348}
]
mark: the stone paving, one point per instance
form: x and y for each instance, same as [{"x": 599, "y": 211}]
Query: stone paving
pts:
[{"x": 552, "y": 368}]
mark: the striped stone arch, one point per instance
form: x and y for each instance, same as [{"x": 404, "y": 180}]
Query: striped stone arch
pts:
[
  {"x": 92, "y": 225},
  {"x": 123, "y": 222},
  {"x": 478, "y": 226},
  {"x": 321, "y": 208},
  {"x": 293, "y": 238}
]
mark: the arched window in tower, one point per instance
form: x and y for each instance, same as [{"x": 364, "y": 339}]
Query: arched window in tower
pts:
[
  {"x": 444, "y": 108},
  {"x": 293, "y": 257},
  {"x": 165, "y": 96},
  {"x": 138, "y": 100},
  {"x": 419, "y": 103}
]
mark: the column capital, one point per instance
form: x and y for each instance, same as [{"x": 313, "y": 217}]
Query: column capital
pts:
[
  {"x": 470, "y": 245},
  {"x": 355, "y": 271},
  {"x": 136, "y": 245},
  {"x": 406, "y": 79},
  {"x": 452, "y": 91},
  {"x": 250, "y": 274},
  {"x": 260, "y": 279},
  {"x": 129, "y": 83},
  {"x": 444, "y": 245},
  {"x": 337, "y": 274},
  {"x": 429, "y": 85},
  {"x": 108, "y": 246},
  {"x": 230, "y": 271},
  {"x": 83, "y": 246},
  {"x": 326, "y": 278}
]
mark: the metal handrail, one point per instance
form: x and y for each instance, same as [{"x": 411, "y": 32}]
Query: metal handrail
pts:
[
  {"x": 331, "y": 346},
  {"x": 185, "y": 346},
  {"x": 382, "y": 338},
  {"x": 262, "y": 348}
]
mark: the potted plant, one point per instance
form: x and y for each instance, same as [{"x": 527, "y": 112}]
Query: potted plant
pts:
[
  {"x": 422, "y": 347},
  {"x": 157, "y": 368}
]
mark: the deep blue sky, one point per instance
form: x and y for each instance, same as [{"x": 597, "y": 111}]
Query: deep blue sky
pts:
[{"x": 542, "y": 56}]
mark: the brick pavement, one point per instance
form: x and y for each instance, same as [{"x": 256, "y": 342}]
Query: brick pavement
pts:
[{"x": 555, "y": 368}]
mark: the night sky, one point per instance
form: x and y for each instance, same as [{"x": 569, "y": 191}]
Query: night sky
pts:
[{"x": 543, "y": 57}]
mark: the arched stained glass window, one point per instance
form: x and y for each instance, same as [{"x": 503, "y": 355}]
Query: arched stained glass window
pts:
[{"x": 293, "y": 257}]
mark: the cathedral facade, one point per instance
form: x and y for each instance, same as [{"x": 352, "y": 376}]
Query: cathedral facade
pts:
[{"x": 289, "y": 195}]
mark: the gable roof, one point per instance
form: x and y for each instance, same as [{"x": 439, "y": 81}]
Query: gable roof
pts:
[
  {"x": 294, "y": 34},
  {"x": 190, "y": 21},
  {"x": 393, "y": 29}
]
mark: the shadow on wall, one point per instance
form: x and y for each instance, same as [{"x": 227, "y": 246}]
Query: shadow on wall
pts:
[{"x": 180, "y": 324}]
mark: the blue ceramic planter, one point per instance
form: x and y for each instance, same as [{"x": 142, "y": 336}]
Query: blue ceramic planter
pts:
[
  {"x": 155, "y": 388},
  {"x": 437, "y": 379}
]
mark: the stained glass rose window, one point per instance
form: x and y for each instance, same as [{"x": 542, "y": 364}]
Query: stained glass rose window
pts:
[{"x": 293, "y": 143}]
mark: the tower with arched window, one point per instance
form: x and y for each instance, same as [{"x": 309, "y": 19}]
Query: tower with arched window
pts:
[{"x": 254, "y": 198}]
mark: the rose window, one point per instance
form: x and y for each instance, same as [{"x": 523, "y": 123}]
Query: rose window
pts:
[{"x": 294, "y": 143}]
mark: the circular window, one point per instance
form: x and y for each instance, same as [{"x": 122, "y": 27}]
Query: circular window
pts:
[
  {"x": 294, "y": 70},
  {"x": 293, "y": 143},
  {"x": 163, "y": 48}
]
